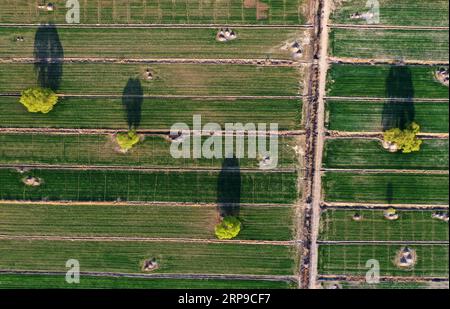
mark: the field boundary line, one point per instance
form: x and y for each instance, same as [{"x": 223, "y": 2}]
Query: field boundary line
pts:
[
  {"x": 386, "y": 242},
  {"x": 387, "y": 27},
  {"x": 150, "y": 132},
  {"x": 385, "y": 171},
  {"x": 351, "y": 278},
  {"x": 376, "y": 99},
  {"x": 332, "y": 134},
  {"x": 162, "y": 26},
  {"x": 344, "y": 205},
  {"x": 168, "y": 96},
  {"x": 140, "y": 168},
  {"x": 286, "y": 278},
  {"x": 145, "y": 239},
  {"x": 381, "y": 61},
  {"x": 132, "y": 203},
  {"x": 206, "y": 61}
]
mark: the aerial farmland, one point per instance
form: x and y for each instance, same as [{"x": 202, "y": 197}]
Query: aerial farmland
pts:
[{"x": 211, "y": 144}]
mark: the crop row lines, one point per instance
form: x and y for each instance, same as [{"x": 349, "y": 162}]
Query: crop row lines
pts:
[
  {"x": 375, "y": 242},
  {"x": 348, "y": 278},
  {"x": 381, "y": 61},
  {"x": 376, "y": 171},
  {"x": 387, "y": 27},
  {"x": 161, "y": 26},
  {"x": 347, "y": 205}
]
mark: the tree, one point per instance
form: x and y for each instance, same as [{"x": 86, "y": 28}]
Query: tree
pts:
[
  {"x": 127, "y": 140},
  {"x": 38, "y": 99},
  {"x": 228, "y": 228},
  {"x": 406, "y": 140}
]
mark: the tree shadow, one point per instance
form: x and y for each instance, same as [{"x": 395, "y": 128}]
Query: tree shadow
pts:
[
  {"x": 399, "y": 85},
  {"x": 229, "y": 188},
  {"x": 48, "y": 57},
  {"x": 132, "y": 98},
  {"x": 389, "y": 193}
]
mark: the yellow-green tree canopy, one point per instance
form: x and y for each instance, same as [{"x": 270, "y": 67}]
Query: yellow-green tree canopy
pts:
[
  {"x": 38, "y": 100},
  {"x": 228, "y": 228},
  {"x": 127, "y": 140},
  {"x": 406, "y": 140}
]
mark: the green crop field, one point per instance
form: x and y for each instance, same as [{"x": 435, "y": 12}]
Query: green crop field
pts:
[
  {"x": 155, "y": 113},
  {"x": 161, "y": 12},
  {"x": 153, "y": 151},
  {"x": 151, "y": 43},
  {"x": 259, "y": 223},
  {"x": 370, "y": 154},
  {"x": 169, "y": 79},
  {"x": 384, "y": 81},
  {"x": 410, "y": 226},
  {"x": 432, "y": 260},
  {"x": 396, "y": 12},
  {"x": 390, "y": 44},
  {"x": 372, "y": 116},
  {"x": 385, "y": 188},
  {"x": 29, "y": 281},
  {"x": 109, "y": 185},
  {"x": 128, "y": 257}
]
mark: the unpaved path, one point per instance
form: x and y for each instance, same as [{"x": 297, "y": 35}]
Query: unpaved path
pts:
[
  {"x": 387, "y": 27},
  {"x": 344, "y": 205},
  {"x": 144, "y": 239},
  {"x": 376, "y": 171},
  {"x": 320, "y": 121},
  {"x": 362, "y": 279},
  {"x": 348, "y": 60},
  {"x": 379, "y": 135},
  {"x": 375, "y": 99},
  {"x": 386, "y": 242},
  {"x": 131, "y": 203}
]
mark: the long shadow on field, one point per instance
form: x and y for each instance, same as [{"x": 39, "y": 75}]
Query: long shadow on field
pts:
[
  {"x": 229, "y": 188},
  {"x": 389, "y": 193},
  {"x": 132, "y": 98},
  {"x": 399, "y": 85},
  {"x": 48, "y": 57}
]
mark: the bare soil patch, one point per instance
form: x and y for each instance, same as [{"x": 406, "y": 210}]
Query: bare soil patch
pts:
[{"x": 262, "y": 9}]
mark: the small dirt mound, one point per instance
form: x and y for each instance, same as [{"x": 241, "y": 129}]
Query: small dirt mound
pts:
[
  {"x": 357, "y": 217},
  {"x": 150, "y": 265},
  {"x": 442, "y": 75},
  {"x": 225, "y": 35},
  {"x": 440, "y": 216},
  {"x": 32, "y": 181},
  {"x": 391, "y": 214},
  {"x": 391, "y": 147},
  {"x": 406, "y": 258}
]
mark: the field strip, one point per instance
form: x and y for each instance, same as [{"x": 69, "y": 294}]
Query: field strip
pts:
[
  {"x": 143, "y": 169},
  {"x": 393, "y": 242},
  {"x": 258, "y": 62},
  {"x": 148, "y": 239},
  {"x": 379, "y": 135},
  {"x": 162, "y": 26},
  {"x": 373, "y": 99},
  {"x": 125, "y": 204},
  {"x": 57, "y": 131},
  {"x": 387, "y": 27},
  {"x": 375, "y": 171},
  {"x": 158, "y": 276},
  {"x": 376, "y": 61},
  {"x": 382, "y": 278},
  {"x": 346, "y": 205}
]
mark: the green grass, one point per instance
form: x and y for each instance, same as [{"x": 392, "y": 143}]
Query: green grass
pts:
[
  {"x": 370, "y": 154},
  {"x": 158, "y": 12},
  {"x": 127, "y": 257},
  {"x": 386, "y": 188},
  {"x": 410, "y": 226},
  {"x": 108, "y": 185},
  {"x": 388, "y": 285},
  {"x": 156, "y": 113},
  {"x": 368, "y": 116},
  {"x": 390, "y": 44},
  {"x": 173, "y": 79},
  {"x": 153, "y": 43},
  {"x": 384, "y": 81},
  {"x": 259, "y": 223},
  {"x": 153, "y": 151},
  {"x": 96, "y": 282},
  {"x": 432, "y": 260},
  {"x": 397, "y": 12}
]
